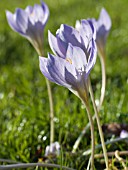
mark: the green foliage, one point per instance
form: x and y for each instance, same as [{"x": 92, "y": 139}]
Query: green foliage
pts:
[{"x": 24, "y": 108}]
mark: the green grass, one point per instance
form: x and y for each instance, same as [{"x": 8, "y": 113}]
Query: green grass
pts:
[{"x": 24, "y": 108}]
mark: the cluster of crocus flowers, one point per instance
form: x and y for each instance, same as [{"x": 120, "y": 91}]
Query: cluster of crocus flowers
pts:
[{"x": 30, "y": 23}]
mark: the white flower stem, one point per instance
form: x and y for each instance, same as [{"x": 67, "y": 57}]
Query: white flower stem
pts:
[
  {"x": 85, "y": 101},
  {"x": 99, "y": 127},
  {"x": 103, "y": 87},
  {"x": 50, "y": 105},
  {"x": 103, "y": 68},
  {"x": 51, "y": 111}
]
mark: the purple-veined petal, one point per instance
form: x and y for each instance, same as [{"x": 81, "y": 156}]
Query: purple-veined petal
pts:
[
  {"x": 43, "y": 67},
  {"x": 22, "y": 19},
  {"x": 54, "y": 45},
  {"x": 11, "y": 20},
  {"x": 37, "y": 14},
  {"x": 76, "y": 56},
  {"x": 56, "y": 67},
  {"x": 46, "y": 12},
  {"x": 87, "y": 32},
  {"x": 89, "y": 29},
  {"x": 71, "y": 79},
  {"x": 102, "y": 25},
  {"x": 104, "y": 19},
  {"x": 69, "y": 35},
  {"x": 62, "y": 46},
  {"x": 29, "y": 9},
  {"x": 92, "y": 58}
]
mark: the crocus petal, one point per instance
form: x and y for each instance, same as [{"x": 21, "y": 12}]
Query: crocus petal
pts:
[
  {"x": 78, "y": 25},
  {"x": 77, "y": 57},
  {"x": 69, "y": 34},
  {"x": 37, "y": 14},
  {"x": 104, "y": 19},
  {"x": 62, "y": 46},
  {"x": 11, "y": 21},
  {"x": 21, "y": 19},
  {"x": 71, "y": 79},
  {"x": 87, "y": 32},
  {"x": 92, "y": 58},
  {"x": 89, "y": 29},
  {"x": 29, "y": 9},
  {"x": 103, "y": 25},
  {"x": 46, "y": 12},
  {"x": 54, "y": 45},
  {"x": 56, "y": 68},
  {"x": 43, "y": 67}
]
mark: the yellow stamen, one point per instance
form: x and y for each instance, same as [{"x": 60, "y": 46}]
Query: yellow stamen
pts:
[{"x": 69, "y": 60}]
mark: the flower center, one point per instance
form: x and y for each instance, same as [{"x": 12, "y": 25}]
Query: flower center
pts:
[{"x": 69, "y": 60}]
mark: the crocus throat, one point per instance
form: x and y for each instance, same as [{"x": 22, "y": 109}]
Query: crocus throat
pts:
[
  {"x": 69, "y": 60},
  {"x": 32, "y": 14}
]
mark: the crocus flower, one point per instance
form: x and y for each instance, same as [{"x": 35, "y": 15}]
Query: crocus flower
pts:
[
  {"x": 30, "y": 23},
  {"x": 123, "y": 134},
  {"x": 75, "y": 56},
  {"x": 103, "y": 25},
  {"x": 52, "y": 149}
]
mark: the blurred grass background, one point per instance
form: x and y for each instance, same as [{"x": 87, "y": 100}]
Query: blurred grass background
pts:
[{"x": 24, "y": 109}]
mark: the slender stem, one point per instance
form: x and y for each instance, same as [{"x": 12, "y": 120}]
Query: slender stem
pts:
[
  {"x": 103, "y": 87},
  {"x": 99, "y": 126},
  {"x": 103, "y": 68},
  {"x": 29, "y": 165},
  {"x": 41, "y": 53},
  {"x": 92, "y": 136},
  {"x": 51, "y": 111},
  {"x": 92, "y": 131}
]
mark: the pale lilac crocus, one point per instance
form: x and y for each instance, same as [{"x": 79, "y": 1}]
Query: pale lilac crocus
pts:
[
  {"x": 53, "y": 149},
  {"x": 103, "y": 26},
  {"x": 30, "y": 23},
  {"x": 75, "y": 55},
  {"x": 124, "y": 134}
]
